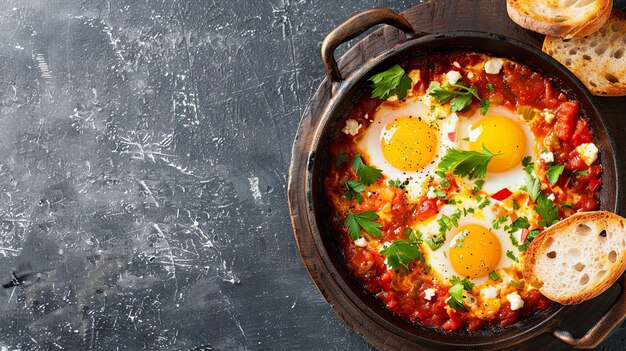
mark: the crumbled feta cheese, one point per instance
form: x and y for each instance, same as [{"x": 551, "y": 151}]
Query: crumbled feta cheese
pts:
[
  {"x": 548, "y": 116},
  {"x": 489, "y": 293},
  {"x": 515, "y": 300},
  {"x": 551, "y": 197},
  {"x": 360, "y": 242},
  {"x": 427, "y": 100},
  {"x": 473, "y": 134},
  {"x": 456, "y": 64},
  {"x": 547, "y": 157},
  {"x": 493, "y": 66},
  {"x": 588, "y": 152},
  {"x": 352, "y": 127},
  {"x": 431, "y": 193},
  {"x": 453, "y": 77},
  {"x": 470, "y": 75},
  {"x": 429, "y": 293}
]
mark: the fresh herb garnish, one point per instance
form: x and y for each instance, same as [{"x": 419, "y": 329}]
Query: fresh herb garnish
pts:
[
  {"x": 567, "y": 206},
  {"x": 368, "y": 175},
  {"x": 484, "y": 204},
  {"x": 478, "y": 185},
  {"x": 341, "y": 158},
  {"x": 354, "y": 188},
  {"x": 461, "y": 238},
  {"x": 510, "y": 255},
  {"x": 546, "y": 209},
  {"x": 440, "y": 193},
  {"x": 472, "y": 164},
  {"x": 395, "y": 183},
  {"x": 484, "y": 105},
  {"x": 581, "y": 173},
  {"x": 414, "y": 236},
  {"x": 393, "y": 81},
  {"x": 400, "y": 253},
  {"x": 529, "y": 166},
  {"x": 554, "y": 172},
  {"x": 458, "y": 95},
  {"x": 436, "y": 241},
  {"x": 490, "y": 87},
  {"x": 494, "y": 276},
  {"x": 365, "y": 220},
  {"x": 496, "y": 223},
  {"x": 456, "y": 292}
]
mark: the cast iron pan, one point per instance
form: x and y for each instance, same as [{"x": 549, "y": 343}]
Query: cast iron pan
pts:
[{"x": 317, "y": 243}]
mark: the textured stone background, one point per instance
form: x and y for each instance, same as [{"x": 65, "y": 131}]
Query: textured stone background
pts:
[{"x": 145, "y": 147}]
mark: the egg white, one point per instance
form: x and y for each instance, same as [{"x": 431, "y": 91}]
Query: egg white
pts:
[
  {"x": 512, "y": 179},
  {"x": 371, "y": 141}
]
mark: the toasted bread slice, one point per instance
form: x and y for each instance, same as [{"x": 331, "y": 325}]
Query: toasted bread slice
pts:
[
  {"x": 578, "y": 258},
  {"x": 560, "y": 18},
  {"x": 598, "y": 60}
]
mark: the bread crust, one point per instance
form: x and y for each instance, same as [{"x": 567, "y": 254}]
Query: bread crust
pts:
[
  {"x": 580, "y": 55},
  {"x": 539, "y": 246},
  {"x": 524, "y": 14}
]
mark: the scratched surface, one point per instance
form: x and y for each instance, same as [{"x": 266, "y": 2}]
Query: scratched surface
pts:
[{"x": 145, "y": 146}]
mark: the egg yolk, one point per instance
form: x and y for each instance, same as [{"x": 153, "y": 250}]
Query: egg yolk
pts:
[
  {"x": 476, "y": 252},
  {"x": 408, "y": 143},
  {"x": 500, "y": 135}
]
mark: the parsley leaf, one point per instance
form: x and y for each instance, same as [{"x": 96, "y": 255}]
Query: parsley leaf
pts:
[
  {"x": 414, "y": 236},
  {"x": 546, "y": 210},
  {"x": 533, "y": 186},
  {"x": 581, "y": 173},
  {"x": 341, "y": 158},
  {"x": 459, "y": 99},
  {"x": 395, "y": 183},
  {"x": 364, "y": 220},
  {"x": 436, "y": 241},
  {"x": 497, "y": 222},
  {"x": 484, "y": 105},
  {"x": 494, "y": 276},
  {"x": 368, "y": 175},
  {"x": 466, "y": 163},
  {"x": 393, "y": 81},
  {"x": 569, "y": 206},
  {"x": 529, "y": 166},
  {"x": 456, "y": 292},
  {"x": 554, "y": 172},
  {"x": 510, "y": 255},
  {"x": 400, "y": 253},
  {"x": 354, "y": 188},
  {"x": 490, "y": 87}
]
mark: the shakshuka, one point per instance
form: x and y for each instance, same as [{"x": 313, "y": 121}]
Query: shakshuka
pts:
[{"x": 441, "y": 175}]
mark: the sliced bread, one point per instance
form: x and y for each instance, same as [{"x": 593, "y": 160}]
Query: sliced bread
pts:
[
  {"x": 578, "y": 258},
  {"x": 598, "y": 60},
  {"x": 560, "y": 18}
]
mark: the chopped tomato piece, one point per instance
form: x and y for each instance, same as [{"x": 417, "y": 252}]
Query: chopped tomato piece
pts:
[
  {"x": 452, "y": 136},
  {"x": 566, "y": 116},
  {"x": 582, "y": 134},
  {"x": 594, "y": 184},
  {"x": 502, "y": 194},
  {"x": 524, "y": 236}
]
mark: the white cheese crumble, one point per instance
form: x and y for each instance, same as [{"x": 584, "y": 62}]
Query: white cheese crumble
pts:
[
  {"x": 493, "y": 66},
  {"x": 453, "y": 77},
  {"x": 588, "y": 152},
  {"x": 515, "y": 300},
  {"x": 450, "y": 123},
  {"x": 489, "y": 293},
  {"x": 547, "y": 157},
  {"x": 360, "y": 242},
  {"x": 456, "y": 64},
  {"x": 431, "y": 193},
  {"x": 473, "y": 134},
  {"x": 470, "y": 75},
  {"x": 429, "y": 293},
  {"x": 548, "y": 116},
  {"x": 551, "y": 197},
  {"x": 385, "y": 245},
  {"x": 352, "y": 127}
]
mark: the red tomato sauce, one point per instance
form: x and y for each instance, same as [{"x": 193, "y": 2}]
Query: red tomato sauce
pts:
[{"x": 403, "y": 292}]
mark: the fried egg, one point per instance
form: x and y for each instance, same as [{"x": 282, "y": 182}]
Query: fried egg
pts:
[
  {"x": 503, "y": 133},
  {"x": 472, "y": 249},
  {"x": 407, "y": 140}
]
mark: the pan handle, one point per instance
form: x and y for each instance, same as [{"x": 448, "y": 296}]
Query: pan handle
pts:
[
  {"x": 594, "y": 336},
  {"x": 351, "y": 28}
]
